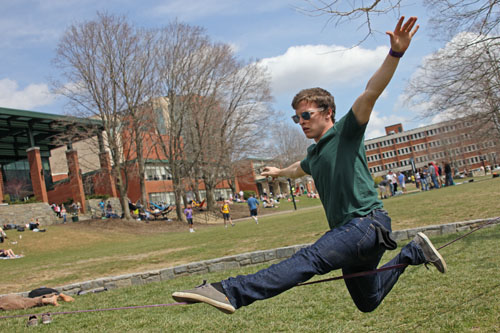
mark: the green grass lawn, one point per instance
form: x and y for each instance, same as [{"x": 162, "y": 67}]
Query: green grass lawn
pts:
[
  {"x": 79, "y": 251},
  {"x": 465, "y": 299},
  {"x": 84, "y": 251}
]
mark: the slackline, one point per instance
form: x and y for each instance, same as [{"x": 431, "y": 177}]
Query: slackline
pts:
[{"x": 342, "y": 277}]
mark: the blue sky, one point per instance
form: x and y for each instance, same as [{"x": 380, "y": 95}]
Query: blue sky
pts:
[{"x": 299, "y": 50}]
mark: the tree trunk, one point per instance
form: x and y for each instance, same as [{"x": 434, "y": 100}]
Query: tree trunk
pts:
[
  {"x": 142, "y": 173},
  {"x": 210, "y": 187}
]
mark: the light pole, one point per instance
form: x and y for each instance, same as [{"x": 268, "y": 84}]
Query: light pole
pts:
[{"x": 291, "y": 192}]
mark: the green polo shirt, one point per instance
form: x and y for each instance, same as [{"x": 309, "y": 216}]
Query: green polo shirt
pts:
[{"x": 337, "y": 163}]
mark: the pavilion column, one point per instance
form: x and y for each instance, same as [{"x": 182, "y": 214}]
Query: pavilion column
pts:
[
  {"x": 277, "y": 187},
  {"x": 75, "y": 178},
  {"x": 1, "y": 185},
  {"x": 106, "y": 176},
  {"x": 36, "y": 173}
]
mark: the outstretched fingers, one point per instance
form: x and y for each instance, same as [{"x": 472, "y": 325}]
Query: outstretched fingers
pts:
[
  {"x": 408, "y": 26},
  {"x": 403, "y": 33}
]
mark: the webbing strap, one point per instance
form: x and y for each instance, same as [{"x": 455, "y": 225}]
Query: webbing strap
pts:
[{"x": 349, "y": 276}]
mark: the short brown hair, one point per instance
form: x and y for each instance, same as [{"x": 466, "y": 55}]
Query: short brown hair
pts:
[{"x": 320, "y": 96}]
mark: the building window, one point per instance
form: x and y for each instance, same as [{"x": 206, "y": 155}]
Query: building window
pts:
[
  {"x": 157, "y": 172},
  {"x": 162, "y": 198}
]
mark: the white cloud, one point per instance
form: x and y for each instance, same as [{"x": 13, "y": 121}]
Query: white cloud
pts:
[
  {"x": 321, "y": 65},
  {"x": 31, "y": 97},
  {"x": 377, "y": 124}
]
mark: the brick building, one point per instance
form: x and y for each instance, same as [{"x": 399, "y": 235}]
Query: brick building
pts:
[{"x": 450, "y": 141}]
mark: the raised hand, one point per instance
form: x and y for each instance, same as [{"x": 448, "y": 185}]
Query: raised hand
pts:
[
  {"x": 269, "y": 171},
  {"x": 403, "y": 33}
]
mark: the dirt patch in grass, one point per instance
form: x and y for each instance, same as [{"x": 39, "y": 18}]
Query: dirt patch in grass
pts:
[{"x": 201, "y": 219}]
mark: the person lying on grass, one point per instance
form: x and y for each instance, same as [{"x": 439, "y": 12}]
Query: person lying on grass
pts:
[
  {"x": 37, "y": 297},
  {"x": 360, "y": 228}
]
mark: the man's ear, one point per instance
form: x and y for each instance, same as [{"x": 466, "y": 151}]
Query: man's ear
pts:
[{"x": 330, "y": 113}]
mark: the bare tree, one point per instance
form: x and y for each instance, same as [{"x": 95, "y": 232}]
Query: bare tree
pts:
[
  {"x": 448, "y": 17},
  {"x": 461, "y": 81},
  {"x": 106, "y": 64},
  {"x": 451, "y": 17},
  {"x": 362, "y": 12},
  {"x": 290, "y": 144},
  {"x": 214, "y": 103},
  {"x": 179, "y": 46},
  {"x": 17, "y": 189},
  {"x": 462, "y": 78},
  {"x": 227, "y": 125},
  {"x": 137, "y": 85}
]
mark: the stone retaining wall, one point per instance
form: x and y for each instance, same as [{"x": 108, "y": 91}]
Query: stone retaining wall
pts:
[
  {"x": 23, "y": 213},
  {"x": 93, "y": 204},
  {"x": 242, "y": 260}
]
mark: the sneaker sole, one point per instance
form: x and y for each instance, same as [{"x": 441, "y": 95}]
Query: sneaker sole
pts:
[
  {"x": 196, "y": 298},
  {"x": 429, "y": 243}
]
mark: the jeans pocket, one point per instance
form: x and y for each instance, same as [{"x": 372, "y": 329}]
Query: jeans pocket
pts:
[{"x": 367, "y": 246}]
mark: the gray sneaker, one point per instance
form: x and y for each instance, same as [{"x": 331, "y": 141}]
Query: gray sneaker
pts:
[
  {"x": 32, "y": 321},
  {"x": 431, "y": 254},
  {"x": 205, "y": 293}
]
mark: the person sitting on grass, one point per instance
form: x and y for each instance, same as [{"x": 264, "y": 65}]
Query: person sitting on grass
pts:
[
  {"x": 3, "y": 235},
  {"x": 359, "y": 228},
  {"x": 34, "y": 225},
  {"x": 7, "y": 253}
]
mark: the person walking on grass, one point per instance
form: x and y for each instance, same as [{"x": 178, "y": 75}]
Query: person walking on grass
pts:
[
  {"x": 225, "y": 213},
  {"x": 253, "y": 206},
  {"x": 188, "y": 211},
  {"x": 360, "y": 228},
  {"x": 402, "y": 181}
]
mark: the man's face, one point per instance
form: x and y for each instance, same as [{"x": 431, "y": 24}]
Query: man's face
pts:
[{"x": 318, "y": 124}]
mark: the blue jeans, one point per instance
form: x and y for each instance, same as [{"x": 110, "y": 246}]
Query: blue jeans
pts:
[
  {"x": 449, "y": 179},
  {"x": 434, "y": 181},
  {"x": 425, "y": 186},
  {"x": 352, "y": 247}
]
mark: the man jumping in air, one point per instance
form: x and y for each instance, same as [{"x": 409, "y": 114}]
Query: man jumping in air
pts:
[{"x": 359, "y": 228}]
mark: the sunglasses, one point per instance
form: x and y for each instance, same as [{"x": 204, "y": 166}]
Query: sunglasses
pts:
[{"x": 306, "y": 115}]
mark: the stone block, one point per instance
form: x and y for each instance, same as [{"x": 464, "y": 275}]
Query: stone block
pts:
[
  {"x": 232, "y": 265},
  {"x": 89, "y": 285},
  {"x": 400, "y": 235},
  {"x": 216, "y": 267},
  {"x": 72, "y": 292},
  {"x": 167, "y": 274},
  {"x": 433, "y": 232},
  {"x": 118, "y": 284},
  {"x": 136, "y": 280},
  {"x": 270, "y": 255},
  {"x": 246, "y": 262},
  {"x": 71, "y": 286},
  {"x": 413, "y": 232},
  {"x": 448, "y": 228},
  {"x": 180, "y": 269},
  {"x": 258, "y": 257},
  {"x": 242, "y": 257},
  {"x": 196, "y": 267},
  {"x": 152, "y": 278},
  {"x": 284, "y": 252}
]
